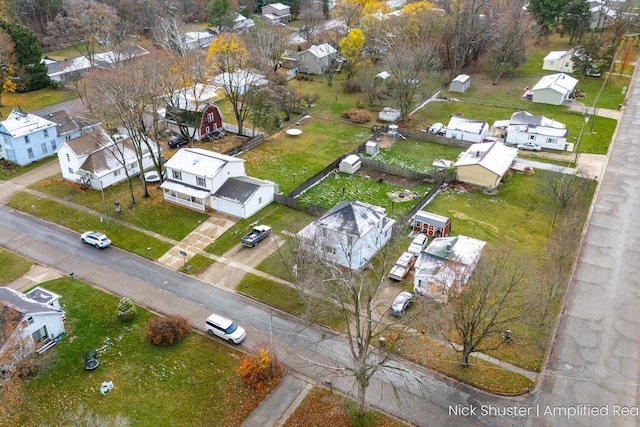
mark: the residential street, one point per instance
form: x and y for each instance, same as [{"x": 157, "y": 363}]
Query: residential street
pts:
[
  {"x": 306, "y": 349},
  {"x": 595, "y": 358}
]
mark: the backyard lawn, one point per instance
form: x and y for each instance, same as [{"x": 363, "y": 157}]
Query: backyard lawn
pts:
[
  {"x": 195, "y": 380},
  {"x": 35, "y": 100}
]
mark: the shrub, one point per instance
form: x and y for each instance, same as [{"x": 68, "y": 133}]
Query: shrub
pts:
[
  {"x": 260, "y": 371},
  {"x": 357, "y": 116},
  {"x": 351, "y": 86},
  {"x": 165, "y": 331},
  {"x": 126, "y": 310}
]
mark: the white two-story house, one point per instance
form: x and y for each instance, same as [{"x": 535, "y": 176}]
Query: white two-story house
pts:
[
  {"x": 26, "y": 137},
  {"x": 201, "y": 179},
  {"x": 350, "y": 234}
]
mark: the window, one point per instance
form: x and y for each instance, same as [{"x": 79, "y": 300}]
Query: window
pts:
[
  {"x": 117, "y": 172},
  {"x": 259, "y": 200},
  {"x": 30, "y": 153},
  {"x": 552, "y": 140},
  {"x": 44, "y": 148},
  {"x": 53, "y": 146},
  {"x": 26, "y": 139},
  {"x": 200, "y": 182},
  {"x": 209, "y": 118},
  {"x": 6, "y": 139},
  {"x": 176, "y": 175},
  {"x": 207, "y": 130},
  {"x": 67, "y": 138},
  {"x": 532, "y": 137},
  {"x": 46, "y": 133},
  {"x": 68, "y": 158},
  {"x": 70, "y": 170}
]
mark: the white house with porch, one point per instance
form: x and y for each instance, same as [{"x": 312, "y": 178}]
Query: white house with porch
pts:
[
  {"x": 526, "y": 127},
  {"x": 559, "y": 60},
  {"x": 201, "y": 179},
  {"x": 446, "y": 265},
  {"x": 29, "y": 324},
  {"x": 350, "y": 234}
]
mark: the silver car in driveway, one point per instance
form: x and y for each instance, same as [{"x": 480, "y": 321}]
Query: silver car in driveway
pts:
[
  {"x": 94, "y": 238},
  {"x": 401, "y": 303}
]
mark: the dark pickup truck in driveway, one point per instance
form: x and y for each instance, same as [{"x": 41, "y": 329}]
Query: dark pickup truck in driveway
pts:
[{"x": 258, "y": 233}]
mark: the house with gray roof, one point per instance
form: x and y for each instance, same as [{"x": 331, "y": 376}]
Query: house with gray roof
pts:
[
  {"x": 28, "y": 324},
  {"x": 100, "y": 160},
  {"x": 201, "y": 180},
  {"x": 446, "y": 265},
  {"x": 350, "y": 234},
  {"x": 526, "y": 127},
  {"x": 317, "y": 59},
  {"x": 554, "y": 89}
]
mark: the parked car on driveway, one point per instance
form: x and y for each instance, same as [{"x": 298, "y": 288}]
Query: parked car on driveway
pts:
[
  {"x": 225, "y": 329},
  {"x": 401, "y": 303},
  {"x": 177, "y": 141},
  {"x": 402, "y": 266},
  {"x": 94, "y": 238},
  {"x": 418, "y": 244},
  {"x": 529, "y": 146}
]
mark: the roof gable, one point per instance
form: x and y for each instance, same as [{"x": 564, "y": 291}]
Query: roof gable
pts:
[
  {"x": 19, "y": 123},
  {"x": 560, "y": 82},
  {"x": 353, "y": 218},
  {"x": 200, "y": 162},
  {"x": 494, "y": 156},
  {"x": 88, "y": 143}
]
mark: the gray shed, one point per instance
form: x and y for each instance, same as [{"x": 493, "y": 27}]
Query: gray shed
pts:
[{"x": 460, "y": 84}]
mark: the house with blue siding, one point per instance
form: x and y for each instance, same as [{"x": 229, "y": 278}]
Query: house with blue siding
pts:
[{"x": 26, "y": 138}]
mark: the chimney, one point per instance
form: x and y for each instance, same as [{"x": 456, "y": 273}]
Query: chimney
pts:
[{"x": 448, "y": 247}]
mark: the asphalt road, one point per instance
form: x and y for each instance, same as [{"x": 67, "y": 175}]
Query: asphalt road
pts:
[
  {"x": 593, "y": 371},
  {"x": 420, "y": 396}
]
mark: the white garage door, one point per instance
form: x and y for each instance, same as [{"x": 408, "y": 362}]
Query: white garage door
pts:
[{"x": 230, "y": 208}]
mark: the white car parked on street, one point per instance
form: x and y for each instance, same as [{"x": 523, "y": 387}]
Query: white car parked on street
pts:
[{"x": 225, "y": 329}]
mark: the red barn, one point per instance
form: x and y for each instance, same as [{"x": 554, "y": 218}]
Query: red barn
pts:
[{"x": 211, "y": 123}]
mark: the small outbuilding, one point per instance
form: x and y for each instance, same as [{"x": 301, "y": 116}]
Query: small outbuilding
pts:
[
  {"x": 460, "y": 83},
  {"x": 372, "y": 148},
  {"x": 554, "y": 89},
  {"x": 350, "y": 164},
  {"x": 431, "y": 224},
  {"x": 388, "y": 114}
]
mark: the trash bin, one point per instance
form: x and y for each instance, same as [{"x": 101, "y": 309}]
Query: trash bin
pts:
[{"x": 116, "y": 206}]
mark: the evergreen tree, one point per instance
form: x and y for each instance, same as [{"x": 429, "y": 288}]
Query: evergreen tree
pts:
[{"x": 28, "y": 56}]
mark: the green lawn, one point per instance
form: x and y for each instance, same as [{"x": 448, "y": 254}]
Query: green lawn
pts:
[
  {"x": 124, "y": 237},
  {"x": 195, "y": 380},
  {"x": 342, "y": 186},
  {"x": 9, "y": 170},
  {"x": 152, "y": 213},
  {"x": 290, "y": 161},
  {"x": 416, "y": 155},
  {"x": 35, "y": 100},
  {"x": 12, "y": 266}
]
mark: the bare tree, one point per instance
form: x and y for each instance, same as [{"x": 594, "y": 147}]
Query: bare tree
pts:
[
  {"x": 465, "y": 34},
  {"x": 91, "y": 22},
  {"x": 269, "y": 43},
  {"x": 128, "y": 96},
  {"x": 561, "y": 249},
  {"x": 566, "y": 187},
  {"x": 513, "y": 28},
  {"x": 487, "y": 304},
  {"x": 311, "y": 17},
  {"x": 168, "y": 34},
  {"x": 410, "y": 67},
  {"x": 332, "y": 269},
  {"x": 348, "y": 12}
]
